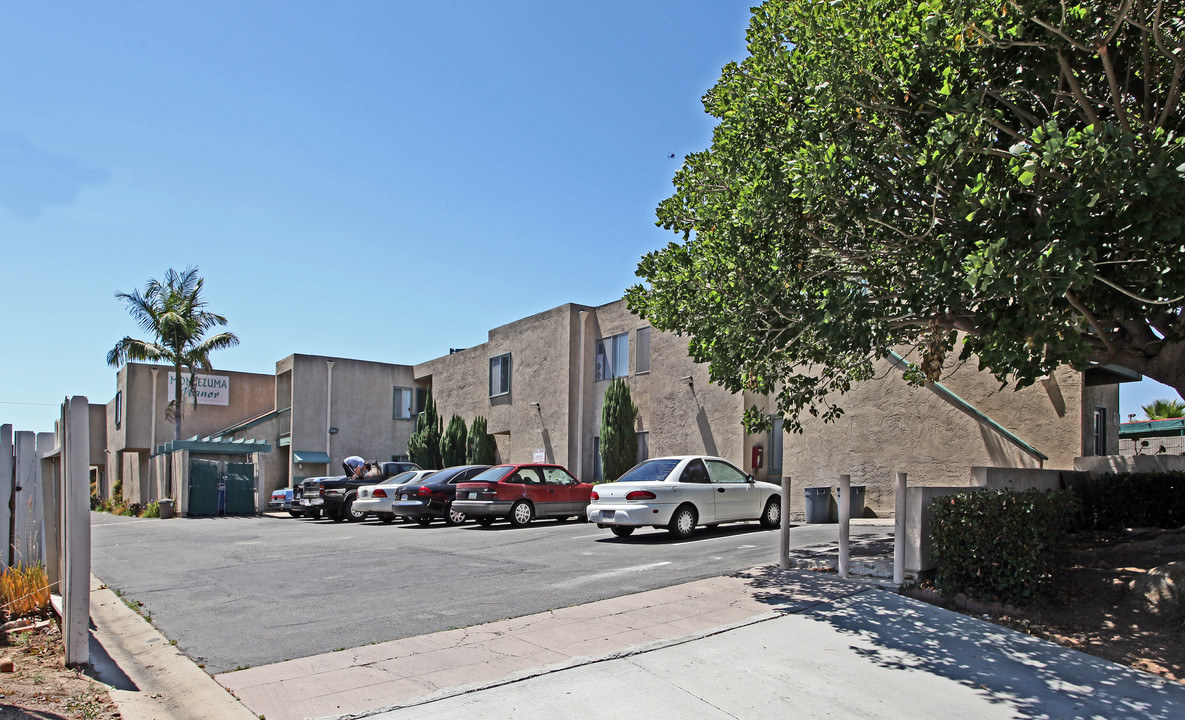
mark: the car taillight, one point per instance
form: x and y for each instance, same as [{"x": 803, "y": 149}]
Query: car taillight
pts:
[
  {"x": 424, "y": 492},
  {"x": 378, "y": 492},
  {"x": 641, "y": 495},
  {"x": 594, "y": 496}
]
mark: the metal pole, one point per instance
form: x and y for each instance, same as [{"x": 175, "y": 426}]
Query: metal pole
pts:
[
  {"x": 899, "y": 531},
  {"x": 785, "y": 523},
  {"x": 845, "y": 518}
]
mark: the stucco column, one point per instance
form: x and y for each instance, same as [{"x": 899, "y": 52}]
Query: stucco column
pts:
[{"x": 845, "y": 519}]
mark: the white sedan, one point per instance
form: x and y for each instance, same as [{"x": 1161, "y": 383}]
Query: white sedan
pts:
[
  {"x": 376, "y": 499},
  {"x": 679, "y": 493}
]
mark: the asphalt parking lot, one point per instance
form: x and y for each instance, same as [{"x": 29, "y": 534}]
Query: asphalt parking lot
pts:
[{"x": 244, "y": 591}]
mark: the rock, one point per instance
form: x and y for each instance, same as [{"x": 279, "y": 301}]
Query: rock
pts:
[
  {"x": 1161, "y": 589},
  {"x": 7, "y": 665}
]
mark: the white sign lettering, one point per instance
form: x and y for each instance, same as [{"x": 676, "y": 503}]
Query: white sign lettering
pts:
[{"x": 208, "y": 389}]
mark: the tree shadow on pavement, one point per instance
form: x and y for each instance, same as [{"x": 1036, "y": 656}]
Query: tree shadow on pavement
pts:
[{"x": 1037, "y": 678}]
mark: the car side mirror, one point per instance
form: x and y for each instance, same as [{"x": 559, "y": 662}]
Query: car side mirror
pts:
[{"x": 749, "y": 478}]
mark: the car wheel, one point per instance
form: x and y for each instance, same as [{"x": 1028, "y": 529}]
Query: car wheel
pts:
[
  {"x": 315, "y": 514},
  {"x": 622, "y": 531},
  {"x": 521, "y": 514},
  {"x": 485, "y": 521},
  {"x": 453, "y": 517},
  {"x": 349, "y": 513},
  {"x": 771, "y": 517},
  {"x": 424, "y": 520},
  {"x": 683, "y": 522},
  {"x": 387, "y": 517},
  {"x": 295, "y": 513}
]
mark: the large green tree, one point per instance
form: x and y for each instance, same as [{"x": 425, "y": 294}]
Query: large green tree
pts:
[
  {"x": 423, "y": 447},
  {"x": 453, "y": 442},
  {"x": 174, "y": 314},
  {"x": 1004, "y": 175},
  {"x": 619, "y": 440}
]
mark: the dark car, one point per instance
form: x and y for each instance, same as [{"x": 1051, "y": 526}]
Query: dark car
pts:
[
  {"x": 433, "y": 498},
  {"x": 522, "y": 492}
]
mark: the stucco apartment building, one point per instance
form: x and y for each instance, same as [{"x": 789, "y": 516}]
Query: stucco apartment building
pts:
[{"x": 540, "y": 383}]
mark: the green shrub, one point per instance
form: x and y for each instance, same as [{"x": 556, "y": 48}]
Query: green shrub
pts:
[
  {"x": 1137, "y": 500},
  {"x": 619, "y": 440},
  {"x": 998, "y": 545},
  {"x": 151, "y": 510},
  {"x": 452, "y": 443},
  {"x": 480, "y": 449}
]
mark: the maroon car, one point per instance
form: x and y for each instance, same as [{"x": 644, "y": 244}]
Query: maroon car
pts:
[{"x": 522, "y": 492}]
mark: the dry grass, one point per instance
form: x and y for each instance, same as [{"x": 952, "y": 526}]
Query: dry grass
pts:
[{"x": 24, "y": 590}]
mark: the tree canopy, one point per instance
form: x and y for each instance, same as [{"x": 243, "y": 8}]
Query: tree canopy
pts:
[
  {"x": 174, "y": 313},
  {"x": 1004, "y": 175},
  {"x": 423, "y": 446}
]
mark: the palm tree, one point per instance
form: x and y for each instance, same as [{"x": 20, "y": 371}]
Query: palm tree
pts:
[
  {"x": 175, "y": 314},
  {"x": 1164, "y": 409}
]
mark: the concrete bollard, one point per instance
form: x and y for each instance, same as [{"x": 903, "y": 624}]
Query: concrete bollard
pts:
[
  {"x": 845, "y": 519},
  {"x": 785, "y": 549},
  {"x": 899, "y": 530}
]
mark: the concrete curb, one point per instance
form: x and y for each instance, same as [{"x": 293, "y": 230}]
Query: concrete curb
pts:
[{"x": 150, "y": 679}]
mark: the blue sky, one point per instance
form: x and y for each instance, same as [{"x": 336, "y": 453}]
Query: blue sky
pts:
[{"x": 377, "y": 180}]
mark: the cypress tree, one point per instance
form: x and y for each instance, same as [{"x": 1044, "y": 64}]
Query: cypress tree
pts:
[
  {"x": 481, "y": 448},
  {"x": 619, "y": 441},
  {"x": 424, "y": 444},
  {"x": 453, "y": 443}
]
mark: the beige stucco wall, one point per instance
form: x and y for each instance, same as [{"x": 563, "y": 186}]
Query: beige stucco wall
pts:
[
  {"x": 361, "y": 408},
  {"x": 890, "y": 426},
  {"x": 542, "y": 371}
]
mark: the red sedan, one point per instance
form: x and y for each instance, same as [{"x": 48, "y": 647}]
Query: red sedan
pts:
[{"x": 522, "y": 492}]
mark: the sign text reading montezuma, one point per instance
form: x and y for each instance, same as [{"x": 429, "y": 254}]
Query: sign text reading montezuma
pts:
[{"x": 208, "y": 389}]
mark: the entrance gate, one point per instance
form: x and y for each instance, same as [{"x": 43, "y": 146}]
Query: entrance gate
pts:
[{"x": 220, "y": 487}]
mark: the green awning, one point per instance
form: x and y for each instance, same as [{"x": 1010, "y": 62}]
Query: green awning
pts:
[{"x": 309, "y": 456}]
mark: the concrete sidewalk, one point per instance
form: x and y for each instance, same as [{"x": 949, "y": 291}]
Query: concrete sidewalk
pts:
[{"x": 756, "y": 644}]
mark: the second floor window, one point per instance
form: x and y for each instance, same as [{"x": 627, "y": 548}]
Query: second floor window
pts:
[
  {"x": 404, "y": 403},
  {"x": 613, "y": 357},
  {"x": 500, "y": 375}
]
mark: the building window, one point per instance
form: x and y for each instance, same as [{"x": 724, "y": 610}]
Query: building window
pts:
[
  {"x": 119, "y": 408},
  {"x": 1100, "y": 431},
  {"x": 500, "y": 375},
  {"x": 642, "y": 359},
  {"x": 597, "y": 459},
  {"x": 613, "y": 357},
  {"x": 643, "y": 447},
  {"x": 404, "y": 403}
]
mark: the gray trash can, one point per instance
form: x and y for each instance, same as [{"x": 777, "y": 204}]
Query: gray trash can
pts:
[
  {"x": 166, "y": 508},
  {"x": 818, "y": 504},
  {"x": 856, "y": 493}
]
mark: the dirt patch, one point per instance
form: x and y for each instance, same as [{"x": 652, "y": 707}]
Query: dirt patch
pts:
[
  {"x": 41, "y": 687},
  {"x": 1100, "y": 602}
]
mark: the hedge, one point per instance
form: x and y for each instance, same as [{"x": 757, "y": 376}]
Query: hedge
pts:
[
  {"x": 1137, "y": 500},
  {"x": 998, "y": 545}
]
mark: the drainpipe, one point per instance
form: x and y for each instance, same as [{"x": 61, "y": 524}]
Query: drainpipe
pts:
[
  {"x": 328, "y": 412},
  {"x": 580, "y": 397}
]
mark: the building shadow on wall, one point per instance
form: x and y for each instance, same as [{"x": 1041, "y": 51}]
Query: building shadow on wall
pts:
[{"x": 705, "y": 427}]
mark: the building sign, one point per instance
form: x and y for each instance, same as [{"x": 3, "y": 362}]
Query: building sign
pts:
[
  {"x": 540, "y": 456},
  {"x": 208, "y": 389}
]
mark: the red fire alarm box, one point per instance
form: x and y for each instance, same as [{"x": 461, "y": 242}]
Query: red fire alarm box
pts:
[{"x": 758, "y": 456}]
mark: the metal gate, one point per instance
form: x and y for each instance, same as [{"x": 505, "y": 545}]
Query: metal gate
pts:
[{"x": 218, "y": 487}]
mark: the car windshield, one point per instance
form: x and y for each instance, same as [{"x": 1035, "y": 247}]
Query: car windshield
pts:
[
  {"x": 494, "y": 474},
  {"x": 650, "y": 471}
]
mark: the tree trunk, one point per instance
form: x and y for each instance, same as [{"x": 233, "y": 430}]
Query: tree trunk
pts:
[{"x": 177, "y": 404}]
